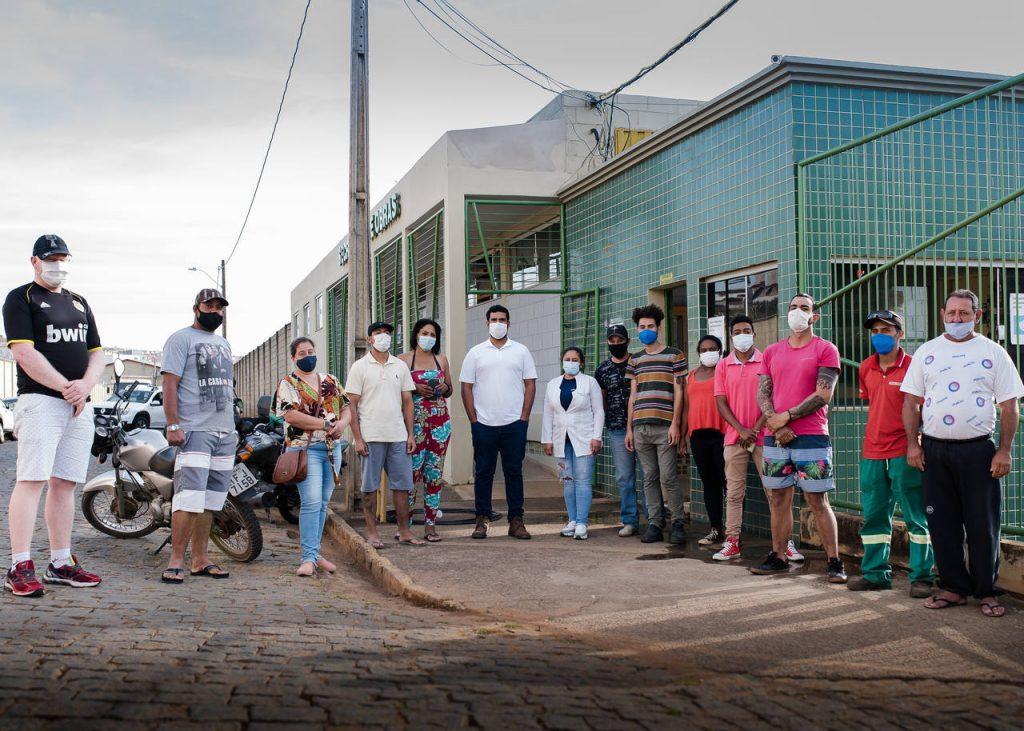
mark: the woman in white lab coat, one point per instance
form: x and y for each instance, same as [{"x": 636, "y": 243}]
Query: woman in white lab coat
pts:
[{"x": 572, "y": 429}]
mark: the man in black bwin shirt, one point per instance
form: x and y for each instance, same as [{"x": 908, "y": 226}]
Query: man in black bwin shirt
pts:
[{"x": 52, "y": 334}]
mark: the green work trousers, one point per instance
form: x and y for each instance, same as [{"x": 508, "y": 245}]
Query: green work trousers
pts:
[{"x": 883, "y": 483}]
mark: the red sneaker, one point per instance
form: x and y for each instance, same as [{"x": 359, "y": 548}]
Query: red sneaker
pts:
[
  {"x": 730, "y": 550},
  {"x": 22, "y": 581},
  {"x": 71, "y": 574}
]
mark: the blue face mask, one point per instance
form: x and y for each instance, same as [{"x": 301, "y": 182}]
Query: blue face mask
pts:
[
  {"x": 648, "y": 336},
  {"x": 883, "y": 343},
  {"x": 307, "y": 364}
]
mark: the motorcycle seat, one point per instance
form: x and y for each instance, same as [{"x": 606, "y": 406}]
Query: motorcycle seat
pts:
[{"x": 163, "y": 461}]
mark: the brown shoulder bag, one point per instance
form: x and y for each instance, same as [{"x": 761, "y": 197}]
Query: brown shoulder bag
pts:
[{"x": 291, "y": 464}]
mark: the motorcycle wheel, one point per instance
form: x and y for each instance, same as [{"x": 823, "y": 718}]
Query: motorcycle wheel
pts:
[
  {"x": 98, "y": 508},
  {"x": 237, "y": 532},
  {"x": 288, "y": 505}
]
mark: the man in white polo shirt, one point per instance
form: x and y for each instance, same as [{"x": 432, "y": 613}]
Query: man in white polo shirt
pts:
[
  {"x": 380, "y": 389},
  {"x": 499, "y": 381},
  {"x": 953, "y": 384}
]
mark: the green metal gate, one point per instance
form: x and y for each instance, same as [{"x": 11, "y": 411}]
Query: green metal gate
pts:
[
  {"x": 897, "y": 219},
  {"x": 581, "y": 324},
  {"x": 426, "y": 270},
  {"x": 337, "y": 327},
  {"x": 388, "y": 291}
]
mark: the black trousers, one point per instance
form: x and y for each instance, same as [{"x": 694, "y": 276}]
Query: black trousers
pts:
[
  {"x": 963, "y": 499},
  {"x": 708, "y": 447}
]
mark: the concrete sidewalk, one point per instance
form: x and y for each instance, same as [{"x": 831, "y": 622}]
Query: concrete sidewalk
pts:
[{"x": 677, "y": 606}]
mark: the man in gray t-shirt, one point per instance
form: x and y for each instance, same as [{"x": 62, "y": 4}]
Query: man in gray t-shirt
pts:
[{"x": 199, "y": 406}]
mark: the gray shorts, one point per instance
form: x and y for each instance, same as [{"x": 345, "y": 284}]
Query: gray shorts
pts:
[
  {"x": 202, "y": 471},
  {"x": 391, "y": 457}
]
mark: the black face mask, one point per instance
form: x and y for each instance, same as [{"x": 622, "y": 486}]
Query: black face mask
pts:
[
  {"x": 618, "y": 350},
  {"x": 209, "y": 321},
  {"x": 307, "y": 364}
]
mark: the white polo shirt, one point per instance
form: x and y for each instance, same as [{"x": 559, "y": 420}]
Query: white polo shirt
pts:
[
  {"x": 379, "y": 387},
  {"x": 497, "y": 375},
  {"x": 961, "y": 383}
]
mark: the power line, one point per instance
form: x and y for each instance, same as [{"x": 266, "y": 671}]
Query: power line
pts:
[
  {"x": 438, "y": 42},
  {"x": 670, "y": 52},
  {"x": 273, "y": 130}
]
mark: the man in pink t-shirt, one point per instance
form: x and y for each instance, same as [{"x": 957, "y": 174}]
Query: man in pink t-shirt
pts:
[
  {"x": 798, "y": 377},
  {"x": 736, "y": 383}
]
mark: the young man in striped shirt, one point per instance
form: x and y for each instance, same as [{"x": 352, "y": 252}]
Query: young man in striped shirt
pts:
[{"x": 657, "y": 377}]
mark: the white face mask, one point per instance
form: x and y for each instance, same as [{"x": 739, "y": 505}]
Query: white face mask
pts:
[
  {"x": 382, "y": 342},
  {"x": 959, "y": 330},
  {"x": 498, "y": 330},
  {"x": 710, "y": 358},
  {"x": 743, "y": 342},
  {"x": 798, "y": 320},
  {"x": 426, "y": 342},
  {"x": 54, "y": 273},
  {"x": 571, "y": 367}
]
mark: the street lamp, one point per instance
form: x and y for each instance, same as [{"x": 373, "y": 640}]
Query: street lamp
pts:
[{"x": 221, "y": 285}]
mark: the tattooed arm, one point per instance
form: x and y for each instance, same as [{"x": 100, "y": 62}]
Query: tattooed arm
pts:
[
  {"x": 764, "y": 396},
  {"x": 824, "y": 388}
]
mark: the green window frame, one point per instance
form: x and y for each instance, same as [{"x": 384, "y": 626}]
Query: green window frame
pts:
[
  {"x": 337, "y": 328},
  {"x": 388, "y": 300},
  {"x": 514, "y": 247},
  {"x": 581, "y": 323},
  {"x": 425, "y": 267}
]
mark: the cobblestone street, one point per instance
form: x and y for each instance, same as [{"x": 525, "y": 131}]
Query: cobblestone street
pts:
[{"x": 266, "y": 647}]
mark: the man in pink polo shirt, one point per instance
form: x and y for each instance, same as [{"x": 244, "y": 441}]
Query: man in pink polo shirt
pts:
[
  {"x": 736, "y": 382},
  {"x": 798, "y": 378}
]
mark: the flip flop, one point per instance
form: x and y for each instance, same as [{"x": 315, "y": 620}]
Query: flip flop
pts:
[
  {"x": 212, "y": 570},
  {"x": 992, "y": 608},
  {"x": 377, "y": 543},
  {"x": 432, "y": 538},
  {"x": 177, "y": 576},
  {"x": 937, "y": 602},
  {"x": 411, "y": 542}
]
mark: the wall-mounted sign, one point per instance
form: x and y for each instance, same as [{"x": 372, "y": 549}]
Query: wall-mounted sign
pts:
[
  {"x": 385, "y": 215},
  {"x": 667, "y": 278},
  {"x": 343, "y": 253}
]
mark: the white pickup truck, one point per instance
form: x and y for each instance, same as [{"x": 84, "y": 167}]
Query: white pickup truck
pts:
[{"x": 144, "y": 410}]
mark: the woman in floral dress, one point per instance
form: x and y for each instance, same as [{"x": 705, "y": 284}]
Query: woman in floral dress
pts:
[{"x": 431, "y": 422}]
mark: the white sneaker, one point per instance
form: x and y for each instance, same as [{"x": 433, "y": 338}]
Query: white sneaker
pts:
[
  {"x": 570, "y": 529},
  {"x": 581, "y": 532},
  {"x": 792, "y": 554},
  {"x": 626, "y": 531}
]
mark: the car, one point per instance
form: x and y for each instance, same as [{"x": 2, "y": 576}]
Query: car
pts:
[
  {"x": 145, "y": 409},
  {"x": 6, "y": 418}
]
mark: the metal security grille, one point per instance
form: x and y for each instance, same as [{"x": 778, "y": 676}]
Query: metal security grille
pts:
[
  {"x": 387, "y": 287},
  {"x": 337, "y": 328},
  {"x": 899, "y": 218},
  {"x": 581, "y": 324},
  {"x": 513, "y": 247},
  {"x": 426, "y": 270}
]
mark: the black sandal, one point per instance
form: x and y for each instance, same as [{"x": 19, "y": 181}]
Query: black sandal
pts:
[
  {"x": 213, "y": 571},
  {"x": 177, "y": 576}
]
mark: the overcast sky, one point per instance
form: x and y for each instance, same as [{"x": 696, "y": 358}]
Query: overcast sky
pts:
[{"x": 135, "y": 129}]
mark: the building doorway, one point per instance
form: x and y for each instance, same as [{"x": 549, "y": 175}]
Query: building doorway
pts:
[{"x": 675, "y": 317}]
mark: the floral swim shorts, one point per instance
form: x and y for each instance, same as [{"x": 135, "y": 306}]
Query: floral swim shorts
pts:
[{"x": 806, "y": 462}]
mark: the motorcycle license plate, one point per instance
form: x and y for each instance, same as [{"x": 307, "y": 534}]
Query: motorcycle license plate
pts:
[{"x": 241, "y": 479}]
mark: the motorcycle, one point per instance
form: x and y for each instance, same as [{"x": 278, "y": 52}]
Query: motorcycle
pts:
[
  {"x": 260, "y": 443},
  {"x": 134, "y": 498}
]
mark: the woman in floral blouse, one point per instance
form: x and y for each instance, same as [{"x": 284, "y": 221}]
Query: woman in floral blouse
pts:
[
  {"x": 313, "y": 405},
  {"x": 431, "y": 422}
]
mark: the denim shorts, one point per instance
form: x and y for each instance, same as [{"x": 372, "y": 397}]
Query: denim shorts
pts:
[{"x": 806, "y": 462}]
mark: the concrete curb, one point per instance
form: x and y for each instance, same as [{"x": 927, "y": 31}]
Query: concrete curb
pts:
[{"x": 385, "y": 574}]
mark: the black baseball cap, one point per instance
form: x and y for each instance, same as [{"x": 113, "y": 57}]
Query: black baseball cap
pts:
[
  {"x": 618, "y": 330},
  {"x": 380, "y": 325},
  {"x": 887, "y": 316},
  {"x": 49, "y": 245},
  {"x": 208, "y": 295}
]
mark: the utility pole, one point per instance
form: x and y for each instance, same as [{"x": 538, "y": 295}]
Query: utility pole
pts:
[
  {"x": 224, "y": 293},
  {"x": 358, "y": 216}
]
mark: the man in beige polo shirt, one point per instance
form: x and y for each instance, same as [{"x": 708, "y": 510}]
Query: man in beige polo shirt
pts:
[{"x": 380, "y": 389}]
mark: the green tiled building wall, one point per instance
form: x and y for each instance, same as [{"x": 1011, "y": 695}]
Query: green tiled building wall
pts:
[{"x": 720, "y": 200}]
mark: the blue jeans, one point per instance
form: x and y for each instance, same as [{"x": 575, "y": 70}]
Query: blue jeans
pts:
[
  {"x": 626, "y": 464},
  {"x": 315, "y": 493},
  {"x": 509, "y": 440},
  {"x": 577, "y": 473}
]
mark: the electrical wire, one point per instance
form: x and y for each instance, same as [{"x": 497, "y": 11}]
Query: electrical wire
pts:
[
  {"x": 438, "y": 42},
  {"x": 670, "y": 52},
  {"x": 273, "y": 130}
]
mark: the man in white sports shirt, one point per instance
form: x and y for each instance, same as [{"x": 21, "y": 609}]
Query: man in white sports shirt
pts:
[
  {"x": 52, "y": 335},
  {"x": 953, "y": 386}
]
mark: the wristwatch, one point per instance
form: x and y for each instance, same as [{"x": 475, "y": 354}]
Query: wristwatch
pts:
[{"x": 173, "y": 427}]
